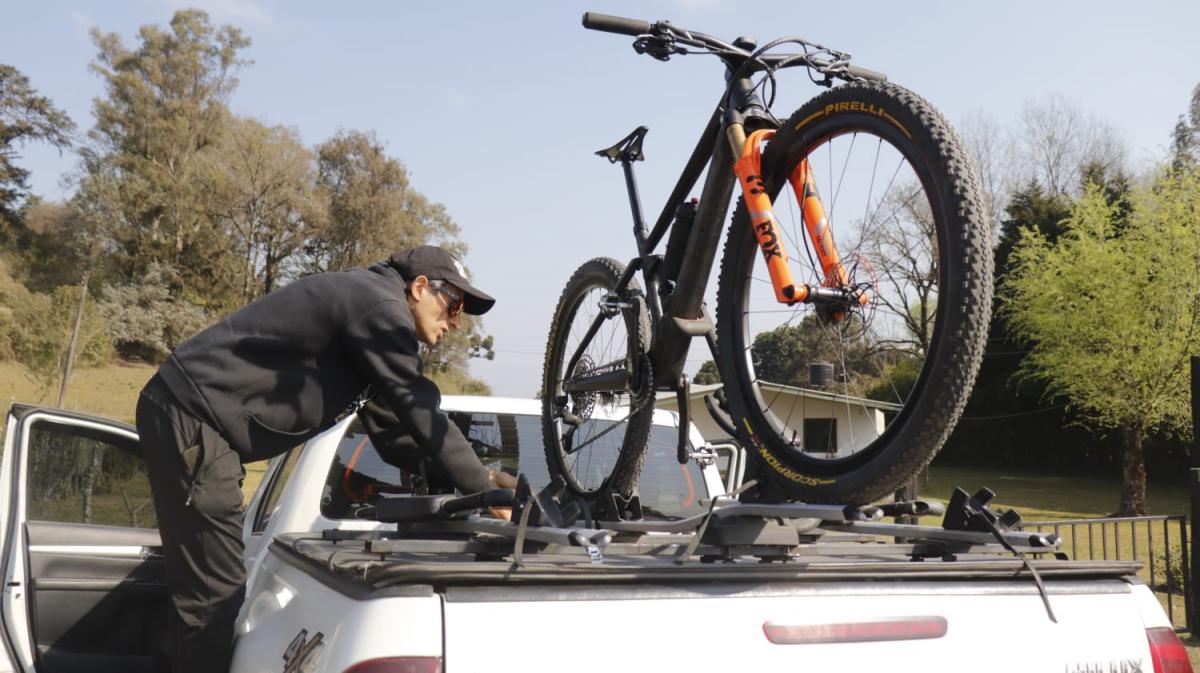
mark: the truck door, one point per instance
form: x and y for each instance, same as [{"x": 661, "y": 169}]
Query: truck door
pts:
[{"x": 84, "y": 583}]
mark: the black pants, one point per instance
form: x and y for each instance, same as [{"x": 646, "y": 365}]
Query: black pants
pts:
[{"x": 196, "y": 479}]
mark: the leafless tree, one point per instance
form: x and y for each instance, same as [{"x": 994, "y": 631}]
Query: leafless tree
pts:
[
  {"x": 1055, "y": 139},
  {"x": 900, "y": 246},
  {"x": 993, "y": 153}
]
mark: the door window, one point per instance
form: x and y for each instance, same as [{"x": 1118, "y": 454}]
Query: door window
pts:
[
  {"x": 270, "y": 500},
  {"x": 85, "y": 475}
]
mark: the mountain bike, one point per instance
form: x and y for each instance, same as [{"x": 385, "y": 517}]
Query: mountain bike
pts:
[{"x": 853, "y": 299}]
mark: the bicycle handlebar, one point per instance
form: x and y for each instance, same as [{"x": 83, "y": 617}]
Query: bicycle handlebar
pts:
[
  {"x": 637, "y": 27},
  {"x": 615, "y": 24},
  {"x": 864, "y": 73}
]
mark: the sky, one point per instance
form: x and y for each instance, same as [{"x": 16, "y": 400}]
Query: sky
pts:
[{"x": 495, "y": 108}]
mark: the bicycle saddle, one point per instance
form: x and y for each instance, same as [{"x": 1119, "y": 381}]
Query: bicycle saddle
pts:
[{"x": 628, "y": 148}]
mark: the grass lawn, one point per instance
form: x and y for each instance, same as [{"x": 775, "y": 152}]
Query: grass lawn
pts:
[
  {"x": 110, "y": 391},
  {"x": 1043, "y": 497}
]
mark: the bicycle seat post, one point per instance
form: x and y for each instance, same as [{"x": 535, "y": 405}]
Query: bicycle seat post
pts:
[
  {"x": 635, "y": 204},
  {"x": 628, "y": 150}
]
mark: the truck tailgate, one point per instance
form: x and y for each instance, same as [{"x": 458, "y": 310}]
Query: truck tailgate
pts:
[{"x": 851, "y": 626}]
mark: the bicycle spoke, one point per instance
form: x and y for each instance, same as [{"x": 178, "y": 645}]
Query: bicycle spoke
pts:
[
  {"x": 842, "y": 177},
  {"x": 871, "y": 186}
]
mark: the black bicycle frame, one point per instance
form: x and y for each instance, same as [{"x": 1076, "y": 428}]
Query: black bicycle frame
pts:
[{"x": 686, "y": 317}]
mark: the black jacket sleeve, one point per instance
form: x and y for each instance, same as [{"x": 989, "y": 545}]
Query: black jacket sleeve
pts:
[
  {"x": 384, "y": 346},
  {"x": 396, "y": 446}
]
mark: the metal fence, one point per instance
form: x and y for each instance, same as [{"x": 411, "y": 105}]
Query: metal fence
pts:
[{"x": 1159, "y": 542}]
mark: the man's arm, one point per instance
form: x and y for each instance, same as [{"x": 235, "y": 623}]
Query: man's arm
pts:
[{"x": 383, "y": 345}]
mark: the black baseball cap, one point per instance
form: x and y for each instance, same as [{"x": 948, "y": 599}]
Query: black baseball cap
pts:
[{"x": 436, "y": 263}]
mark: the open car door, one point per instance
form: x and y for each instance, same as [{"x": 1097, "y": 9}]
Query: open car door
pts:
[{"x": 84, "y": 582}]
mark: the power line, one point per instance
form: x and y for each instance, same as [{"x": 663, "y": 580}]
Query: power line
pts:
[{"x": 1016, "y": 415}]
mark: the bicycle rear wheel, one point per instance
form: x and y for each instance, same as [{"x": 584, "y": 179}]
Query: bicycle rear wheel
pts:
[
  {"x": 597, "y": 438},
  {"x": 844, "y": 403}
]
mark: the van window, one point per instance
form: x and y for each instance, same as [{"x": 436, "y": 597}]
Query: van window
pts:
[{"x": 512, "y": 442}]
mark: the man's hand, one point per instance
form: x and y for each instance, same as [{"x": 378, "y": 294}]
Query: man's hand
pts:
[{"x": 499, "y": 479}]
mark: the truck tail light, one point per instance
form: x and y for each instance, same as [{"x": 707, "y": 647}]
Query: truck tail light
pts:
[
  {"x": 1167, "y": 653},
  {"x": 894, "y": 628},
  {"x": 398, "y": 665}
]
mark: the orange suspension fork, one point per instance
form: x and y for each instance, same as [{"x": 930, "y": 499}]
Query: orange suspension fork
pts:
[
  {"x": 833, "y": 273},
  {"x": 748, "y": 168}
]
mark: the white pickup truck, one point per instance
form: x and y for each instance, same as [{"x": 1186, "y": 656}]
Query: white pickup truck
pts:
[{"x": 340, "y": 583}]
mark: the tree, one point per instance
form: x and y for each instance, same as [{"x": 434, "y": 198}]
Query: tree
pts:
[
  {"x": 901, "y": 248},
  {"x": 458, "y": 382},
  {"x": 58, "y": 240},
  {"x": 24, "y": 117},
  {"x": 372, "y": 209},
  {"x": 1185, "y": 139},
  {"x": 992, "y": 152},
  {"x": 261, "y": 192},
  {"x": 1055, "y": 140},
  {"x": 1111, "y": 321},
  {"x": 145, "y": 321},
  {"x": 1005, "y": 420},
  {"x": 1033, "y": 207},
  {"x": 783, "y": 355},
  {"x": 707, "y": 374},
  {"x": 163, "y": 111},
  {"x": 39, "y": 327}
]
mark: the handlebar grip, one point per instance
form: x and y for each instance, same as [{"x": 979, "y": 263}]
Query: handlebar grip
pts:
[
  {"x": 864, "y": 73},
  {"x": 615, "y": 24}
]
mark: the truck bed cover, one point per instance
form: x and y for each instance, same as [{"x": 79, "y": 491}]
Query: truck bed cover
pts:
[{"x": 375, "y": 561}]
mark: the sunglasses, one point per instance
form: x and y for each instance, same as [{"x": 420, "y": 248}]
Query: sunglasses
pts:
[{"x": 454, "y": 300}]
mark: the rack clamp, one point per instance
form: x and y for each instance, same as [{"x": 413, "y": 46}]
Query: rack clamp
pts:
[{"x": 972, "y": 513}]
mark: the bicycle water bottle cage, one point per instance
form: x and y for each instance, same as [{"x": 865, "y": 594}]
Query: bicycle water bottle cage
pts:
[{"x": 628, "y": 148}]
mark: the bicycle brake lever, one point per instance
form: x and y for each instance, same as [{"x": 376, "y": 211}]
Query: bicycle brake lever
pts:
[{"x": 660, "y": 47}]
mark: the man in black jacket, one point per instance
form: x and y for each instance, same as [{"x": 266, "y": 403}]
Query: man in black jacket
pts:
[{"x": 270, "y": 376}]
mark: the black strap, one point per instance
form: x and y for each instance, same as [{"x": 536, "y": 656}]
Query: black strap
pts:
[
  {"x": 519, "y": 543},
  {"x": 1037, "y": 578}
]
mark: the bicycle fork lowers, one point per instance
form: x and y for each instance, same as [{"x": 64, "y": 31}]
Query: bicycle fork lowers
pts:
[{"x": 835, "y": 289}]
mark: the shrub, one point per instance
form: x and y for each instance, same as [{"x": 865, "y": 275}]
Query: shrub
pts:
[
  {"x": 145, "y": 321},
  {"x": 1169, "y": 576}
]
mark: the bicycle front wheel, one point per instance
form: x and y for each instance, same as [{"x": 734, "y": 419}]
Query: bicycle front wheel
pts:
[
  {"x": 597, "y": 401},
  {"x": 843, "y": 403}
]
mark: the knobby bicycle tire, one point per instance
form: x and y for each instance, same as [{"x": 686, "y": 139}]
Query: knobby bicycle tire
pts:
[
  {"x": 902, "y": 400},
  {"x": 598, "y": 454}
]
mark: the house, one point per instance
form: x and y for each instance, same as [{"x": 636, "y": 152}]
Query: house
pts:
[{"x": 824, "y": 422}]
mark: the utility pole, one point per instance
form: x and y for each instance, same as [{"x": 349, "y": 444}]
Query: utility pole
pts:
[{"x": 69, "y": 361}]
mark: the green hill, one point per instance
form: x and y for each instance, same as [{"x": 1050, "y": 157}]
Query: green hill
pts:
[{"x": 110, "y": 391}]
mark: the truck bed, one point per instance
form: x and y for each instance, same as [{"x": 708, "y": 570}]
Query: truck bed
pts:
[{"x": 838, "y": 603}]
